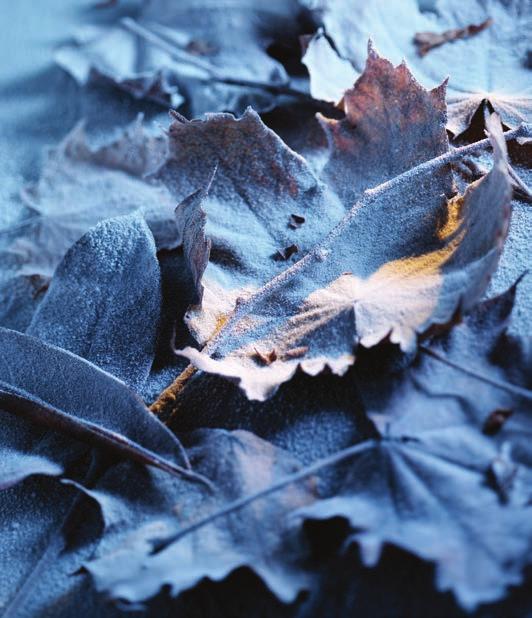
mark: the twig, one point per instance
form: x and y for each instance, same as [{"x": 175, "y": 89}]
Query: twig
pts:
[{"x": 211, "y": 72}]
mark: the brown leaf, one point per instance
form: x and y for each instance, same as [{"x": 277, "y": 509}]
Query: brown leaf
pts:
[
  {"x": 287, "y": 253},
  {"x": 426, "y": 41}
]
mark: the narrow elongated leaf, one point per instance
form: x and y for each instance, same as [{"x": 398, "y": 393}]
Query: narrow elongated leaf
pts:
[
  {"x": 76, "y": 398},
  {"x": 103, "y": 302}
]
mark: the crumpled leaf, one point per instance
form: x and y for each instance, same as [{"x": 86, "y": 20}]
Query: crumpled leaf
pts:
[
  {"x": 426, "y": 41},
  {"x": 182, "y": 51},
  {"x": 93, "y": 57},
  {"x": 498, "y": 400},
  {"x": 350, "y": 289},
  {"x": 491, "y": 66},
  {"x": 104, "y": 299},
  {"x": 79, "y": 187},
  {"x": 427, "y": 485},
  {"x": 135, "y": 562}
]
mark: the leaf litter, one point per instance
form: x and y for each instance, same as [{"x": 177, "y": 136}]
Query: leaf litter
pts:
[{"x": 347, "y": 372}]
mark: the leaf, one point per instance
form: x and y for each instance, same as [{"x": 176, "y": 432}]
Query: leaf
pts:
[
  {"x": 349, "y": 290},
  {"x": 109, "y": 55},
  {"x": 79, "y": 187},
  {"x": 490, "y": 66},
  {"x": 103, "y": 302},
  {"x": 330, "y": 75},
  {"x": 191, "y": 220},
  {"x": 44, "y": 549},
  {"x": 426, "y": 41},
  {"x": 151, "y": 507},
  {"x": 183, "y": 52},
  {"x": 425, "y": 486},
  {"x": 93, "y": 407},
  {"x": 478, "y": 368},
  {"x": 259, "y": 182},
  {"x": 404, "y": 128}
]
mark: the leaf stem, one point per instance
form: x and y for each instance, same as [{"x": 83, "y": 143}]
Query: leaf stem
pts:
[
  {"x": 505, "y": 386},
  {"x": 300, "y": 475}
]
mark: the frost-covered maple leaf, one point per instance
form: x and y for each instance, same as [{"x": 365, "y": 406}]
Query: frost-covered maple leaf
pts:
[
  {"x": 433, "y": 258},
  {"x": 491, "y": 66}
]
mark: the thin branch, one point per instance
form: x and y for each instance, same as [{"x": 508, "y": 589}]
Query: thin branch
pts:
[
  {"x": 211, "y": 73},
  {"x": 302, "y": 474},
  {"x": 505, "y": 386}
]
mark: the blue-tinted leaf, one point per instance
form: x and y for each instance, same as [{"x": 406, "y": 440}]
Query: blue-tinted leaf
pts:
[
  {"x": 183, "y": 51},
  {"x": 259, "y": 183},
  {"x": 152, "y": 507},
  {"x": 104, "y": 300},
  {"x": 438, "y": 484},
  {"x": 433, "y": 258},
  {"x": 60, "y": 391},
  {"x": 79, "y": 187}
]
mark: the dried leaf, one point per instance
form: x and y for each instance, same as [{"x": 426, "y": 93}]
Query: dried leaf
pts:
[
  {"x": 490, "y": 66},
  {"x": 439, "y": 265},
  {"x": 426, "y": 41},
  {"x": 182, "y": 52},
  {"x": 78, "y": 188},
  {"x": 103, "y": 302},
  {"x": 258, "y": 183},
  {"x": 133, "y": 563}
]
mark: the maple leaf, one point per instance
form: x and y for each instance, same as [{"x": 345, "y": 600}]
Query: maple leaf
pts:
[
  {"x": 136, "y": 557},
  {"x": 186, "y": 55},
  {"x": 478, "y": 368},
  {"x": 426, "y": 485},
  {"x": 258, "y": 184},
  {"x": 495, "y": 69},
  {"x": 342, "y": 293}
]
